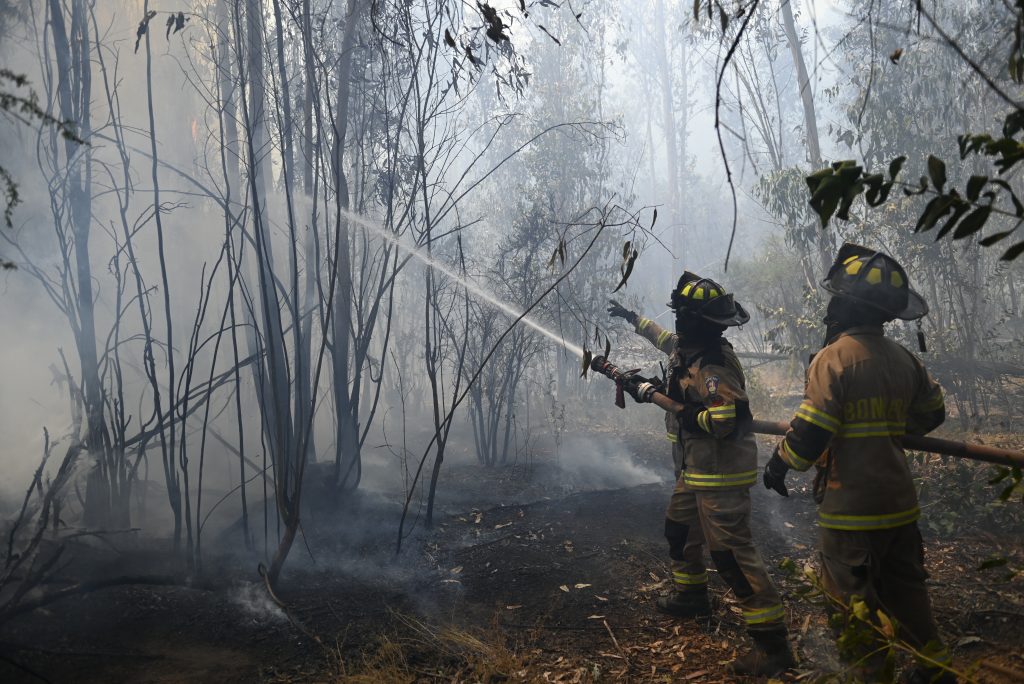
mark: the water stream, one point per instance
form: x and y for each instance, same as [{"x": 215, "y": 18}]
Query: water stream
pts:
[{"x": 476, "y": 290}]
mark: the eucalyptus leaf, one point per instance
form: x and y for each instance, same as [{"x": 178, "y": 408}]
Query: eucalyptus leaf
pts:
[
  {"x": 994, "y": 562},
  {"x": 895, "y": 166},
  {"x": 937, "y": 172},
  {"x": 994, "y": 238},
  {"x": 1013, "y": 252},
  {"x": 974, "y": 186},
  {"x": 974, "y": 222}
]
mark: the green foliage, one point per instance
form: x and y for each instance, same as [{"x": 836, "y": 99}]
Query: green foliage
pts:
[
  {"x": 629, "y": 255},
  {"x": 715, "y": 9},
  {"x": 960, "y": 497},
  {"x": 881, "y": 124},
  {"x": 834, "y": 189},
  {"x": 790, "y": 303},
  {"x": 1000, "y": 563},
  {"x": 896, "y": 113},
  {"x": 12, "y": 197},
  {"x": 784, "y": 194},
  {"x": 25, "y": 107},
  {"x": 20, "y": 102},
  {"x": 1012, "y": 474},
  {"x": 994, "y": 562},
  {"x": 866, "y": 639}
]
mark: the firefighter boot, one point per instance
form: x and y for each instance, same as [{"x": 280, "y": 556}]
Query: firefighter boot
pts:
[
  {"x": 769, "y": 656},
  {"x": 684, "y": 604}
]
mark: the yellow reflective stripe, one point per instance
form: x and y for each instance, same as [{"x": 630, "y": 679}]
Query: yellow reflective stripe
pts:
[
  {"x": 642, "y": 324},
  {"x": 877, "y": 433},
  {"x": 723, "y": 412},
  {"x": 722, "y": 476},
  {"x": 868, "y": 522},
  {"x": 702, "y": 421},
  {"x": 892, "y": 424},
  {"x": 794, "y": 459},
  {"x": 663, "y": 337},
  {"x": 878, "y": 428},
  {"x": 816, "y": 417},
  {"x": 671, "y": 436},
  {"x": 720, "y": 480},
  {"x": 757, "y": 617},
  {"x": 689, "y": 579}
]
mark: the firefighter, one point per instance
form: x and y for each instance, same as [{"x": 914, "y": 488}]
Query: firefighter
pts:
[
  {"x": 863, "y": 393},
  {"x": 710, "y": 504}
]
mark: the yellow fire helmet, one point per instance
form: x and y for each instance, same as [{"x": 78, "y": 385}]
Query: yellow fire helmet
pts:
[
  {"x": 707, "y": 299},
  {"x": 876, "y": 279}
]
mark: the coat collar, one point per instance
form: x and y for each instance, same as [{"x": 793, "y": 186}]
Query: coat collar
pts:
[{"x": 875, "y": 330}]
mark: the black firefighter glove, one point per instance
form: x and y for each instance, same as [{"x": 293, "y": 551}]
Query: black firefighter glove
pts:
[
  {"x": 616, "y": 310},
  {"x": 641, "y": 388},
  {"x": 775, "y": 474}
]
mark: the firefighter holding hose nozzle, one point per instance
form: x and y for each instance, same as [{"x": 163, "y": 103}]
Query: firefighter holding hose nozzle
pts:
[
  {"x": 717, "y": 464},
  {"x": 865, "y": 392}
]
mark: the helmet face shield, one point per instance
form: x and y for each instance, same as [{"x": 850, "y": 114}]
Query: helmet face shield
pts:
[{"x": 876, "y": 279}]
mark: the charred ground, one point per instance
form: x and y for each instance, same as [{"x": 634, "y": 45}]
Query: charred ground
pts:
[{"x": 557, "y": 588}]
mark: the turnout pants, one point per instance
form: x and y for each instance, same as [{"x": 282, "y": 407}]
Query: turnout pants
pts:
[
  {"x": 885, "y": 568},
  {"x": 721, "y": 520},
  {"x": 678, "y": 458}
]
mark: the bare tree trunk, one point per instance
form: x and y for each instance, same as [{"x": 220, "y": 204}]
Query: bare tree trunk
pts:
[
  {"x": 275, "y": 394},
  {"x": 74, "y": 100},
  {"x": 300, "y": 371},
  {"x": 310, "y": 189},
  {"x": 683, "y": 133},
  {"x": 229, "y": 158},
  {"x": 175, "y": 488},
  {"x": 804, "y": 83},
  {"x": 824, "y": 241},
  {"x": 668, "y": 123},
  {"x": 347, "y": 453}
]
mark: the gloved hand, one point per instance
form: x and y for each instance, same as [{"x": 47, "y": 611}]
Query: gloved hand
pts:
[
  {"x": 640, "y": 388},
  {"x": 616, "y": 310},
  {"x": 775, "y": 474}
]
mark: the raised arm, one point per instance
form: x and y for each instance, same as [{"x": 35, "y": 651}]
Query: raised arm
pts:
[{"x": 664, "y": 340}]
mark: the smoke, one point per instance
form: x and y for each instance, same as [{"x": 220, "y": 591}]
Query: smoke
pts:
[
  {"x": 605, "y": 463},
  {"x": 254, "y": 602}
]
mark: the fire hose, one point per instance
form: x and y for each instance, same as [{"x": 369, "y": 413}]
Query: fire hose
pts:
[{"x": 654, "y": 394}]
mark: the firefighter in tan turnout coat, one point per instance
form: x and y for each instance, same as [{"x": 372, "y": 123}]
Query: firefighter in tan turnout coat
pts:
[
  {"x": 863, "y": 393},
  {"x": 716, "y": 463}
]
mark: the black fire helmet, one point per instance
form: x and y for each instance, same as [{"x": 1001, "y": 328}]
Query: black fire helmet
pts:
[
  {"x": 704, "y": 298},
  {"x": 876, "y": 279}
]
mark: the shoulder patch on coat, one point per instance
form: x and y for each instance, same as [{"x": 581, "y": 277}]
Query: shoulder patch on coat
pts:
[{"x": 712, "y": 384}]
